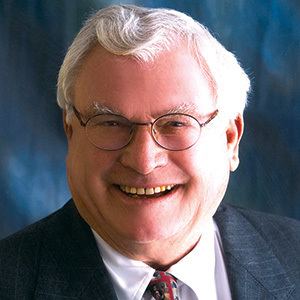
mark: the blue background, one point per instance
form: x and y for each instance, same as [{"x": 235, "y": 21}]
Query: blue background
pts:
[{"x": 34, "y": 35}]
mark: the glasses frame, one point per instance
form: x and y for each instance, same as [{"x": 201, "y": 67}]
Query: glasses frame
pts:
[{"x": 80, "y": 118}]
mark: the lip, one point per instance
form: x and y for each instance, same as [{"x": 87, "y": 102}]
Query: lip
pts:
[
  {"x": 146, "y": 200},
  {"x": 139, "y": 191}
]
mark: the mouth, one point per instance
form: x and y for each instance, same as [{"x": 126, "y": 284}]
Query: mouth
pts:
[{"x": 149, "y": 192}]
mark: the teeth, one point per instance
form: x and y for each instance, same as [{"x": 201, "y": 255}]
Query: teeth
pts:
[
  {"x": 157, "y": 190},
  {"x": 146, "y": 191},
  {"x": 150, "y": 191},
  {"x": 141, "y": 191},
  {"x": 133, "y": 190}
]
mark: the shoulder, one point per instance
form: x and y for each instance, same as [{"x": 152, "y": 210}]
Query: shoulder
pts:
[
  {"x": 261, "y": 250},
  {"x": 20, "y": 252},
  {"x": 266, "y": 224},
  {"x": 55, "y": 257},
  {"x": 280, "y": 234},
  {"x": 34, "y": 233}
]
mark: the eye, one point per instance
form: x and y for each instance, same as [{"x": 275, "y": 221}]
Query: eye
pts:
[
  {"x": 109, "y": 123},
  {"x": 104, "y": 123},
  {"x": 175, "y": 124}
]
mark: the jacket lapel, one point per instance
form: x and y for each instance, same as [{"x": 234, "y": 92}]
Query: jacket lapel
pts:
[
  {"x": 70, "y": 264},
  {"x": 254, "y": 271}
]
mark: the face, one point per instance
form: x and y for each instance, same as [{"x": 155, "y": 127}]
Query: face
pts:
[{"x": 198, "y": 176}]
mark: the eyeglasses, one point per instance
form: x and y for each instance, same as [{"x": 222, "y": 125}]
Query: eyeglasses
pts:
[{"x": 174, "y": 131}]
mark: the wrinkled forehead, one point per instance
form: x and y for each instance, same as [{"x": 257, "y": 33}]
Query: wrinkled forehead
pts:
[{"x": 172, "y": 82}]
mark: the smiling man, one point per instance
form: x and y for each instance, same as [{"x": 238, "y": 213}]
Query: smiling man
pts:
[{"x": 153, "y": 114}]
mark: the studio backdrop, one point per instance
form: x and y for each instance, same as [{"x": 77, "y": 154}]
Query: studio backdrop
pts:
[{"x": 34, "y": 36}]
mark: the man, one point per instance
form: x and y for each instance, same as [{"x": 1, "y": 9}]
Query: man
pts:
[{"x": 152, "y": 108}]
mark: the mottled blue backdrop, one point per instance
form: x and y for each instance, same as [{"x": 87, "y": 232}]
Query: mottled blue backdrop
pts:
[{"x": 34, "y": 35}]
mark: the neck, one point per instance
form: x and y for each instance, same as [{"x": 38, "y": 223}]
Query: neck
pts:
[{"x": 159, "y": 254}]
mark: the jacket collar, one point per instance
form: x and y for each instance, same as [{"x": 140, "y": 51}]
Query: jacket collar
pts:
[
  {"x": 70, "y": 263},
  {"x": 253, "y": 269}
]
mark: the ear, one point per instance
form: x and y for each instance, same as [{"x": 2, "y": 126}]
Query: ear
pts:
[
  {"x": 234, "y": 134},
  {"x": 67, "y": 127}
]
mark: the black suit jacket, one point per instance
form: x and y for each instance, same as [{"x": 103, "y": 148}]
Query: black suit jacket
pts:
[{"x": 57, "y": 258}]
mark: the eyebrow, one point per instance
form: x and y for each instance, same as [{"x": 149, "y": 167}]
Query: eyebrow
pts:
[
  {"x": 189, "y": 109},
  {"x": 98, "y": 108},
  {"x": 183, "y": 108}
]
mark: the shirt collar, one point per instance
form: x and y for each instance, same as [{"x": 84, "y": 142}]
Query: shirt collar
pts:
[
  {"x": 197, "y": 268},
  {"x": 131, "y": 277}
]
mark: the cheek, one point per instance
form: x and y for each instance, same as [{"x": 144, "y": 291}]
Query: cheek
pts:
[
  {"x": 207, "y": 166},
  {"x": 208, "y": 156},
  {"x": 87, "y": 165}
]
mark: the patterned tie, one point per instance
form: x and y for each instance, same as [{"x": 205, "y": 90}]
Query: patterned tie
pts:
[{"x": 163, "y": 286}]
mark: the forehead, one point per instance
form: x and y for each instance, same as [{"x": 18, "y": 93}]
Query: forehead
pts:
[{"x": 133, "y": 88}]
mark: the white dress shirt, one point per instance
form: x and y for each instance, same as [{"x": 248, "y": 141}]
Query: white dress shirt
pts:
[{"x": 201, "y": 274}]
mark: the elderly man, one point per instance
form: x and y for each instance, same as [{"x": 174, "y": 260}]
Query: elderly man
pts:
[{"x": 152, "y": 108}]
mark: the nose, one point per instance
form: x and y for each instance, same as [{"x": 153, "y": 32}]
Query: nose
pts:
[{"x": 142, "y": 154}]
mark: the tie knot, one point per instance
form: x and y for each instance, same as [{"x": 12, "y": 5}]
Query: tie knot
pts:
[{"x": 163, "y": 286}]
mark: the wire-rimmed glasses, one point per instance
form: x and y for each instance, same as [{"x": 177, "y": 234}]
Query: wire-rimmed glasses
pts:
[{"x": 173, "y": 131}]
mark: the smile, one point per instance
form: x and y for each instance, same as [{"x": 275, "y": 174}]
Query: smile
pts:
[{"x": 151, "y": 191}]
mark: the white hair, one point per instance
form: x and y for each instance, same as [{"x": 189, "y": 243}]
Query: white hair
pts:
[{"x": 145, "y": 32}]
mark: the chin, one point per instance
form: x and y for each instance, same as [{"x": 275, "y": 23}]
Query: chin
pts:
[{"x": 148, "y": 231}]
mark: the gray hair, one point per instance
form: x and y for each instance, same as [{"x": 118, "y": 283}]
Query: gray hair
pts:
[{"x": 143, "y": 33}]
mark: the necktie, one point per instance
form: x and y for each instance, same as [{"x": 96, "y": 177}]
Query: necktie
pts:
[{"x": 163, "y": 286}]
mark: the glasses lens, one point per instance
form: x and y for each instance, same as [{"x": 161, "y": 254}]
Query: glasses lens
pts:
[
  {"x": 109, "y": 132},
  {"x": 176, "y": 131}
]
